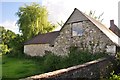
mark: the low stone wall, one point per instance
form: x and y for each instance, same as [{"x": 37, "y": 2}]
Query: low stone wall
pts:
[{"x": 94, "y": 69}]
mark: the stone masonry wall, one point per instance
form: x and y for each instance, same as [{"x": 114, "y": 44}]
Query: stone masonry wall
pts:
[
  {"x": 37, "y": 49},
  {"x": 92, "y": 39}
]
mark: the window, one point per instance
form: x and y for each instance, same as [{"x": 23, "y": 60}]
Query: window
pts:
[{"x": 77, "y": 29}]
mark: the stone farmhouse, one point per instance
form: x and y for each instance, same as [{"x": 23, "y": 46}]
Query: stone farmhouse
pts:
[{"x": 81, "y": 31}]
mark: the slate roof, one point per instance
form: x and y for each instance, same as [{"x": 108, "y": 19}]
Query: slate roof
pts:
[
  {"x": 47, "y": 38},
  {"x": 50, "y": 37}
]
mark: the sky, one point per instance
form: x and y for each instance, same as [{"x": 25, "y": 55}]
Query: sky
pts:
[
  {"x": 59, "y": 10},
  {"x": 8, "y": 8}
]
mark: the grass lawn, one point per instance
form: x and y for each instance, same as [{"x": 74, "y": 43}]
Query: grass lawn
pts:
[
  {"x": 25, "y": 66},
  {"x": 19, "y": 67}
]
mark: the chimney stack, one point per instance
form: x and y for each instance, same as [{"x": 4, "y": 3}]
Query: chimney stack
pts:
[
  {"x": 114, "y": 28},
  {"x": 111, "y": 23}
]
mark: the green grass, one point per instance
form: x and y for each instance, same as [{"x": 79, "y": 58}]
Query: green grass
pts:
[
  {"x": 19, "y": 67},
  {"x": 23, "y": 66}
]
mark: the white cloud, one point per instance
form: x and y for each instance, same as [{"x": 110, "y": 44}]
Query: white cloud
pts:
[
  {"x": 10, "y": 25},
  {"x": 61, "y": 9},
  {"x": 20, "y": 1}
]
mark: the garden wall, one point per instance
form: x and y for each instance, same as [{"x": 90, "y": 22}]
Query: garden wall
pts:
[{"x": 95, "y": 69}]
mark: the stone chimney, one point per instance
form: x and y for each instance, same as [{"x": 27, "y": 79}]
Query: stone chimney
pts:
[
  {"x": 111, "y": 23},
  {"x": 114, "y": 28}
]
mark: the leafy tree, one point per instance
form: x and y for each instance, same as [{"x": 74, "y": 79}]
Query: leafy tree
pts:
[
  {"x": 6, "y": 36},
  {"x": 16, "y": 44},
  {"x": 33, "y": 19},
  {"x": 10, "y": 42},
  {"x": 3, "y": 49}
]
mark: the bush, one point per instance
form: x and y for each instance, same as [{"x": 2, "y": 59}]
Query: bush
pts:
[
  {"x": 77, "y": 56},
  {"x": 114, "y": 76},
  {"x": 51, "y": 62}
]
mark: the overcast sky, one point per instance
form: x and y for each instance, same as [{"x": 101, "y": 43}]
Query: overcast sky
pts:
[{"x": 60, "y": 10}]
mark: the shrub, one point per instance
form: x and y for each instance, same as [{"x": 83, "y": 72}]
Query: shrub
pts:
[
  {"x": 114, "y": 76},
  {"x": 77, "y": 56},
  {"x": 51, "y": 62}
]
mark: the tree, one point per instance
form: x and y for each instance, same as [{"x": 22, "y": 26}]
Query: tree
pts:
[
  {"x": 5, "y": 36},
  {"x": 18, "y": 40},
  {"x": 3, "y": 48},
  {"x": 33, "y": 19},
  {"x": 10, "y": 42}
]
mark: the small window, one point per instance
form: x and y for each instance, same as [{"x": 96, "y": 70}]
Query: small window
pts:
[{"x": 77, "y": 29}]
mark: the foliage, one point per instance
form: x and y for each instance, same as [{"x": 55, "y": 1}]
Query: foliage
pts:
[
  {"x": 60, "y": 23},
  {"x": 11, "y": 42},
  {"x": 51, "y": 62},
  {"x": 3, "y": 49},
  {"x": 75, "y": 57},
  {"x": 118, "y": 55},
  {"x": 6, "y": 36},
  {"x": 92, "y": 14},
  {"x": 114, "y": 76},
  {"x": 33, "y": 19},
  {"x": 16, "y": 45}
]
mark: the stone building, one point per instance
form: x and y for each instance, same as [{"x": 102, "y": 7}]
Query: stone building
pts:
[{"x": 81, "y": 31}]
